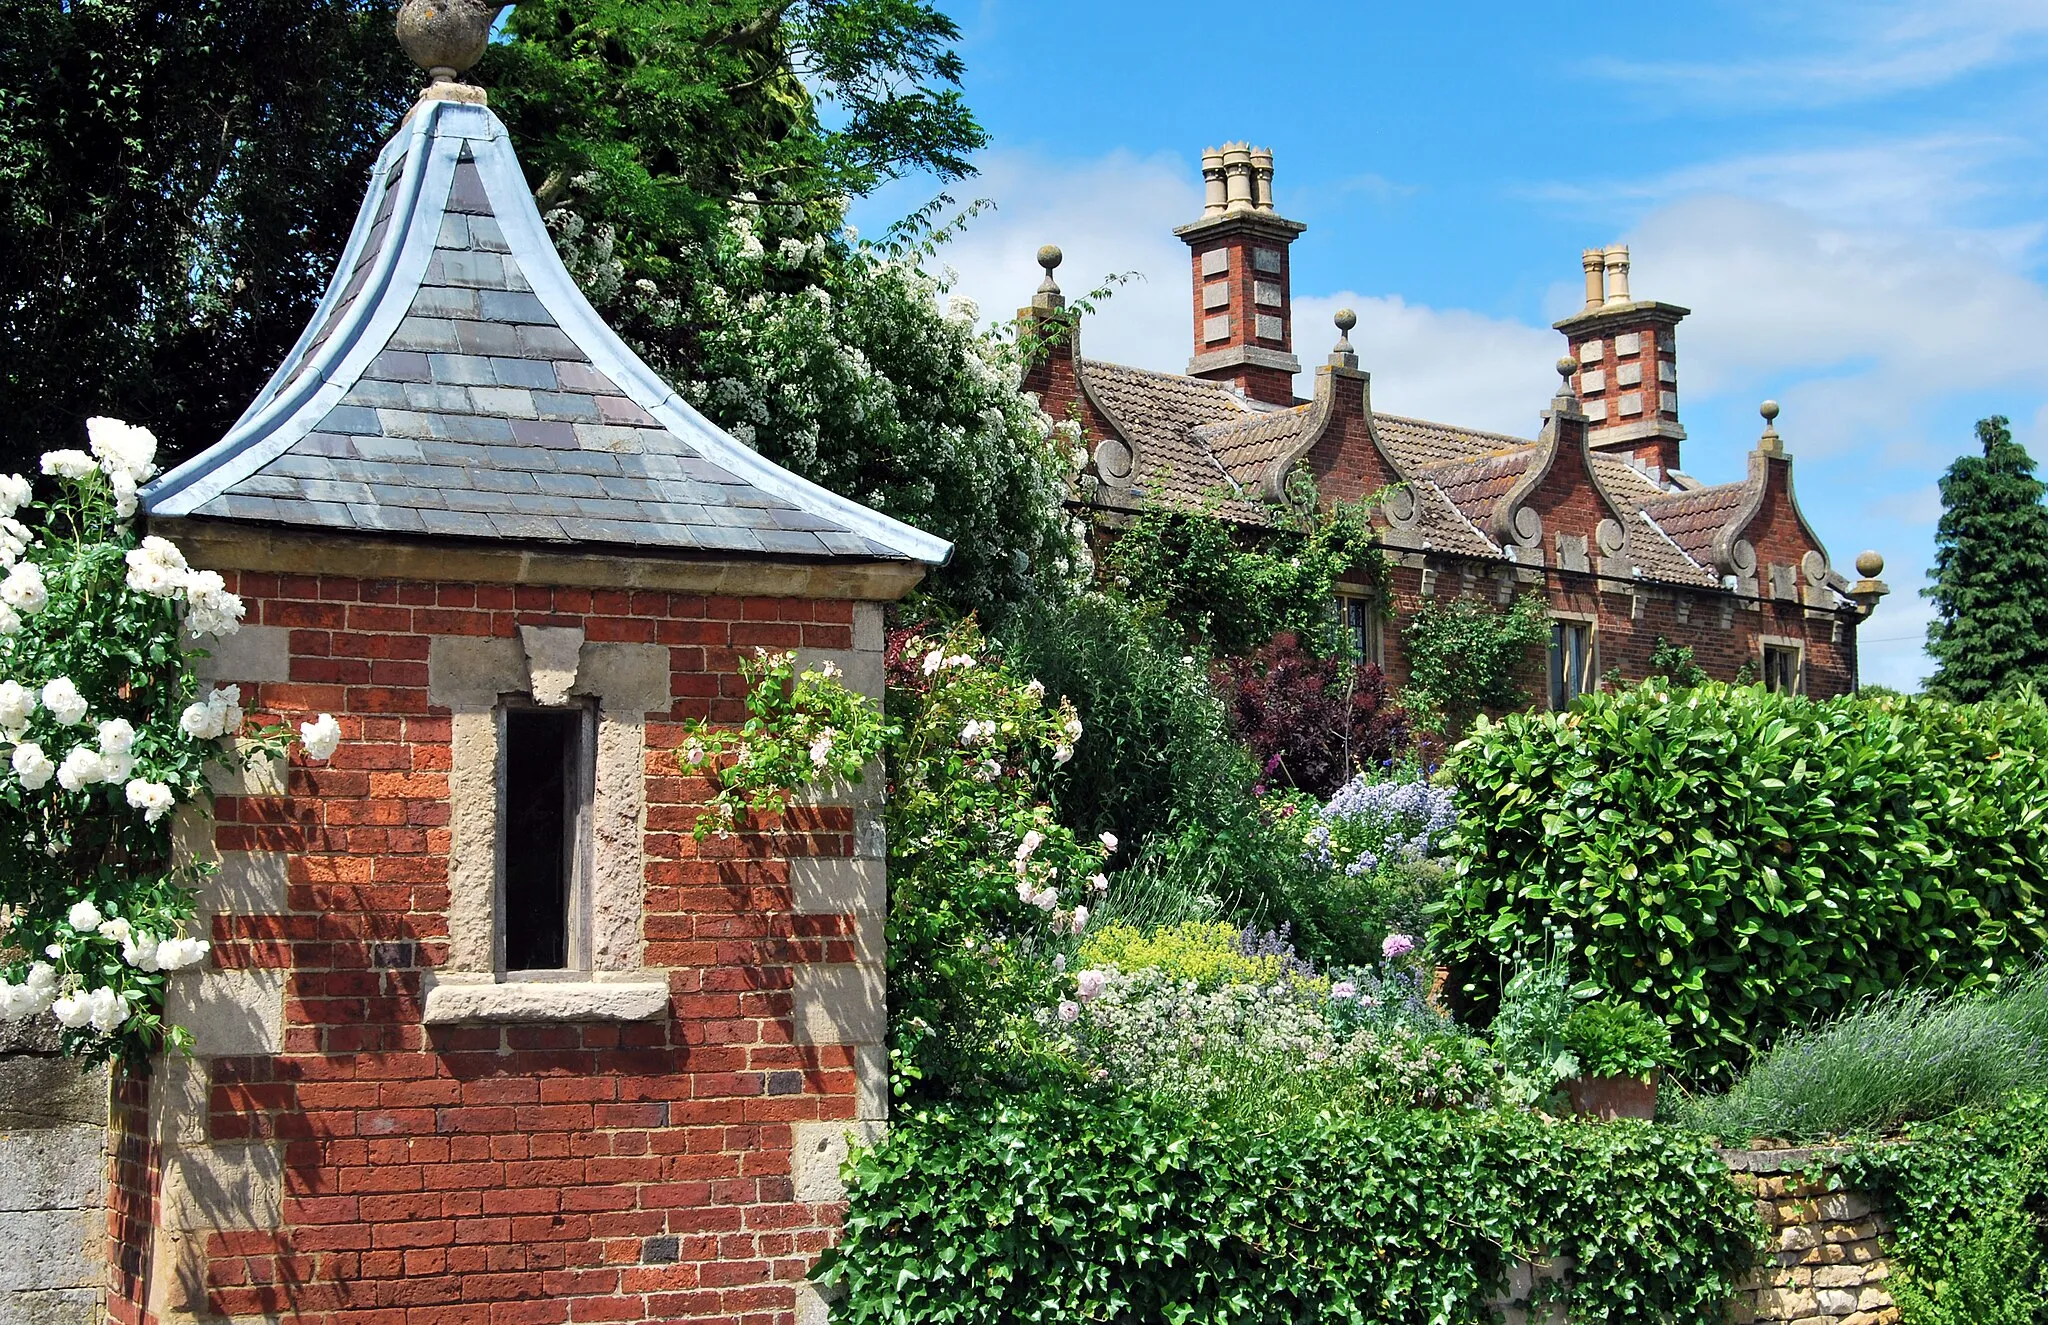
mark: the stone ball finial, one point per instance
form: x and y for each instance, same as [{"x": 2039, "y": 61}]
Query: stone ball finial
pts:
[
  {"x": 1769, "y": 409},
  {"x": 1050, "y": 257},
  {"x": 446, "y": 37},
  {"x": 1346, "y": 320},
  {"x": 1870, "y": 565},
  {"x": 1567, "y": 366}
]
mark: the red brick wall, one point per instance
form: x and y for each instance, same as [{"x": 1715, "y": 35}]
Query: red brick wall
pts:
[
  {"x": 132, "y": 1187},
  {"x": 536, "y": 1173},
  {"x": 1344, "y": 462}
]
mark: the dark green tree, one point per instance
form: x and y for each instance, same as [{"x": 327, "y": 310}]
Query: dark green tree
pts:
[
  {"x": 1990, "y": 589},
  {"x": 176, "y": 183}
]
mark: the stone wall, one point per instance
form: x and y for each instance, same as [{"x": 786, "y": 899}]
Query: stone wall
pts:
[
  {"x": 52, "y": 1173},
  {"x": 1823, "y": 1264}
]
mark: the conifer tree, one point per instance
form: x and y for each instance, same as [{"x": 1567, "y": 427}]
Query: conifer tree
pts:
[{"x": 1990, "y": 590}]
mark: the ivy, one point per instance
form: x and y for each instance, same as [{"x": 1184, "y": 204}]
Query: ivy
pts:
[
  {"x": 1969, "y": 1202},
  {"x": 1232, "y": 589},
  {"x": 1072, "y": 1205},
  {"x": 1466, "y": 656}
]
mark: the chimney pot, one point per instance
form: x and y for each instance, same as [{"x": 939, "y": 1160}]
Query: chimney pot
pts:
[
  {"x": 1617, "y": 274},
  {"x": 1262, "y": 178},
  {"x": 1237, "y": 176},
  {"x": 1214, "y": 199},
  {"x": 1594, "y": 260}
]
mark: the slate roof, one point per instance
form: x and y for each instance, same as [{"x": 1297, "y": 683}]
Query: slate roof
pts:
[{"x": 455, "y": 382}]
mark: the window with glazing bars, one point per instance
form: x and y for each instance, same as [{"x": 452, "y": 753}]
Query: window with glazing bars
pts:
[{"x": 1571, "y": 661}]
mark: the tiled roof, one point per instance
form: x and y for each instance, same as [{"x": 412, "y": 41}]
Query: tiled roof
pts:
[
  {"x": 1691, "y": 519},
  {"x": 1444, "y": 528},
  {"x": 1418, "y": 444},
  {"x": 455, "y": 382},
  {"x": 1159, "y": 413},
  {"x": 1648, "y": 545},
  {"x": 1248, "y": 447},
  {"x": 1476, "y": 486}
]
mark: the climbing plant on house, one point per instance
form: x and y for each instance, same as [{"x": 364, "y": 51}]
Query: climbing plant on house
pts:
[{"x": 105, "y": 732}]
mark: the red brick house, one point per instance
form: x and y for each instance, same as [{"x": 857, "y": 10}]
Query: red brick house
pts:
[
  {"x": 1595, "y": 513},
  {"x": 486, "y": 1035}
]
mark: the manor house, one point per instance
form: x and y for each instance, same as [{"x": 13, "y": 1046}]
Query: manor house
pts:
[{"x": 1596, "y": 513}]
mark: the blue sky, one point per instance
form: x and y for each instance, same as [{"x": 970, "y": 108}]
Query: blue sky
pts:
[{"x": 1850, "y": 197}]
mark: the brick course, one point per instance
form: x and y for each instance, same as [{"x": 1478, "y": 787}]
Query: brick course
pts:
[{"x": 524, "y": 1173}]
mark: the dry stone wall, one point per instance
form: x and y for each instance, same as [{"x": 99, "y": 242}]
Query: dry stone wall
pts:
[
  {"x": 53, "y": 1119},
  {"x": 1823, "y": 1262}
]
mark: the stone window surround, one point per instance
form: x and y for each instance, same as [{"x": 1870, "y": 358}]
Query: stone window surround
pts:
[
  {"x": 470, "y": 676},
  {"x": 1798, "y": 649},
  {"x": 1591, "y": 622}
]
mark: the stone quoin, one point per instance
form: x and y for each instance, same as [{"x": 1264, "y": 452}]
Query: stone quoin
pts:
[
  {"x": 1594, "y": 513},
  {"x": 486, "y": 1035}
]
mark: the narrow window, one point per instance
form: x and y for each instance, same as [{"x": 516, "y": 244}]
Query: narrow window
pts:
[
  {"x": 544, "y": 826},
  {"x": 1571, "y": 661},
  {"x": 1781, "y": 668},
  {"x": 1365, "y": 628}
]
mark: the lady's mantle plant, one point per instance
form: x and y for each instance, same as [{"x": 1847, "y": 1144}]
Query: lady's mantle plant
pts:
[{"x": 103, "y": 734}]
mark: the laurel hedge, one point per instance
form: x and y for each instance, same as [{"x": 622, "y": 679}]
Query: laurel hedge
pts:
[{"x": 1742, "y": 862}]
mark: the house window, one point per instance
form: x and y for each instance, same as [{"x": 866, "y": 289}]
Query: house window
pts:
[
  {"x": 1365, "y": 627},
  {"x": 1782, "y": 670},
  {"x": 1571, "y": 661},
  {"x": 544, "y": 831}
]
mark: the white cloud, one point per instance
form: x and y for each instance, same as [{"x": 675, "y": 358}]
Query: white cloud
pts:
[
  {"x": 1450, "y": 365},
  {"x": 1850, "y": 50}
]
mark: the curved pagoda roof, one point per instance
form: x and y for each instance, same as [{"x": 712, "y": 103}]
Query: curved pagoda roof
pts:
[{"x": 454, "y": 382}]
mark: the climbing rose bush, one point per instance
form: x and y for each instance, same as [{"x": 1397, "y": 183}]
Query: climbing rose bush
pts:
[{"x": 105, "y": 732}]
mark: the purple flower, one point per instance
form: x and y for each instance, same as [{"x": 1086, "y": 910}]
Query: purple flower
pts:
[
  {"x": 1397, "y": 945},
  {"x": 1344, "y": 989}
]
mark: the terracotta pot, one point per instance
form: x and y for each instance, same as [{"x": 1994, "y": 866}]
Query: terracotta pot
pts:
[{"x": 1608, "y": 1098}]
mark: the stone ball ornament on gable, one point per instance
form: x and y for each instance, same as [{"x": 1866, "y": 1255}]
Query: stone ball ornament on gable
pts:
[{"x": 447, "y": 37}]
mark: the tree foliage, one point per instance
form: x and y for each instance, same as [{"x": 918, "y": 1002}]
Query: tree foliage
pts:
[
  {"x": 1990, "y": 590},
  {"x": 176, "y": 183}
]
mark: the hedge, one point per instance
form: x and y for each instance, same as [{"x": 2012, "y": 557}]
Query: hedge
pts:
[
  {"x": 1064, "y": 1206},
  {"x": 1742, "y": 862}
]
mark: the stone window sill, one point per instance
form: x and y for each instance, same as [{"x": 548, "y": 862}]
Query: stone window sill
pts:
[{"x": 542, "y": 1001}]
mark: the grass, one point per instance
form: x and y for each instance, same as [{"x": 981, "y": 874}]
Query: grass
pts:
[{"x": 1899, "y": 1058}]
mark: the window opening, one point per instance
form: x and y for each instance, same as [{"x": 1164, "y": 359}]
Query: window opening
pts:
[
  {"x": 1781, "y": 668},
  {"x": 1365, "y": 628},
  {"x": 1571, "y": 661},
  {"x": 544, "y": 826}
]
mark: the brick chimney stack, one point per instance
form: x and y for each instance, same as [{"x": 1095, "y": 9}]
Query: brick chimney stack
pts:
[
  {"x": 1244, "y": 311},
  {"x": 1627, "y": 351}
]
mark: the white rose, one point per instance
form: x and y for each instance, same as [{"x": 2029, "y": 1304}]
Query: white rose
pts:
[
  {"x": 152, "y": 798},
  {"x": 23, "y": 589},
  {"x": 140, "y": 951},
  {"x": 123, "y": 484},
  {"x": 17, "y": 705},
  {"x": 122, "y": 448},
  {"x": 32, "y": 766},
  {"x": 157, "y": 568},
  {"x": 73, "y": 465},
  {"x": 177, "y": 954},
  {"x": 66, "y": 705},
  {"x": 84, "y": 917},
  {"x": 10, "y": 621},
  {"x": 117, "y": 929},
  {"x": 107, "y": 1008},
  {"x": 14, "y": 493},
  {"x": 321, "y": 737},
  {"x": 200, "y": 721},
  {"x": 209, "y": 608},
  {"x": 72, "y": 1011},
  {"x": 117, "y": 736}
]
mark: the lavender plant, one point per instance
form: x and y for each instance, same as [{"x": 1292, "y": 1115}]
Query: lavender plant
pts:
[{"x": 104, "y": 733}]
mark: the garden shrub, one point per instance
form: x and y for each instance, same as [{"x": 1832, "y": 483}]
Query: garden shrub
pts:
[
  {"x": 1209, "y": 954},
  {"x": 1740, "y": 862},
  {"x": 1901, "y": 1057},
  {"x": 1969, "y": 1205},
  {"x": 1076, "y": 1205},
  {"x": 1310, "y": 721},
  {"x": 1466, "y": 656},
  {"x": 1159, "y": 756}
]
